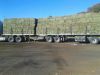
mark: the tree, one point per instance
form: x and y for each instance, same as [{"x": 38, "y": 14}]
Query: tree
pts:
[{"x": 95, "y": 8}]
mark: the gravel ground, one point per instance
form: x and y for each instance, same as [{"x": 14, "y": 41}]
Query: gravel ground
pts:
[{"x": 40, "y": 58}]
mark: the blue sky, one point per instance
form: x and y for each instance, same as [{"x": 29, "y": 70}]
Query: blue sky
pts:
[{"x": 42, "y": 8}]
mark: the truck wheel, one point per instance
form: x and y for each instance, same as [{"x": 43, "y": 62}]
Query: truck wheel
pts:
[
  {"x": 62, "y": 39},
  {"x": 94, "y": 40},
  {"x": 57, "y": 39},
  {"x": 49, "y": 39},
  {"x": 10, "y": 39},
  {"x": 18, "y": 39}
]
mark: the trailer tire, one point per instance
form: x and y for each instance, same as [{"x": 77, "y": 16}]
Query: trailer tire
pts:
[
  {"x": 62, "y": 38},
  {"x": 93, "y": 40},
  {"x": 10, "y": 39},
  {"x": 49, "y": 39},
  {"x": 18, "y": 39},
  {"x": 57, "y": 39}
]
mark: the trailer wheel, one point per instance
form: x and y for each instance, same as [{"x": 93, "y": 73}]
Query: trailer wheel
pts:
[
  {"x": 94, "y": 40},
  {"x": 18, "y": 39},
  {"x": 62, "y": 38},
  {"x": 10, "y": 39},
  {"x": 49, "y": 39},
  {"x": 57, "y": 39}
]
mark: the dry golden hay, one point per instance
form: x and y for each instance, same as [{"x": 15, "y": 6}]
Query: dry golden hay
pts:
[
  {"x": 75, "y": 24},
  {"x": 19, "y": 25}
]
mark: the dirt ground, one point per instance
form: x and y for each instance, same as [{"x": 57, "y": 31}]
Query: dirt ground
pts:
[{"x": 41, "y": 58}]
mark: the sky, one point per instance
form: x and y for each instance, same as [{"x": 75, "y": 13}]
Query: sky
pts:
[{"x": 42, "y": 8}]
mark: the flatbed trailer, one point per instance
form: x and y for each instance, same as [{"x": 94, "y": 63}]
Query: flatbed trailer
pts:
[
  {"x": 80, "y": 29},
  {"x": 57, "y": 38},
  {"x": 94, "y": 39}
]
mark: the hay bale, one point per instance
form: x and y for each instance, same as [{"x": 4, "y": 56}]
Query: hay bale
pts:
[
  {"x": 75, "y": 24},
  {"x": 19, "y": 26}
]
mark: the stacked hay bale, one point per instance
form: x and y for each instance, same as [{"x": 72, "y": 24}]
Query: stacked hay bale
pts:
[
  {"x": 88, "y": 23},
  {"x": 94, "y": 23},
  {"x": 50, "y": 26},
  {"x": 19, "y": 26}
]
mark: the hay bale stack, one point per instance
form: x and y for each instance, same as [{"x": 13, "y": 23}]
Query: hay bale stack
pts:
[
  {"x": 75, "y": 24},
  {"x": 50, "y": 26},
  {"x": 91, "y": 21},
  {"x": 19, "y": 26}
]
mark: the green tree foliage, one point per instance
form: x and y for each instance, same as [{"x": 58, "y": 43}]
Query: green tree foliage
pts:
[{"x": 95, "y": 8}]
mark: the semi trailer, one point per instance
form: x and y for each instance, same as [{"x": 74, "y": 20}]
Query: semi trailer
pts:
[{"x": 79, "y": 27}]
